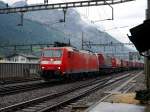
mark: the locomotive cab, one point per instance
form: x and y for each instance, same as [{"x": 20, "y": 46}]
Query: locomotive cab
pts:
[{"x": 51, "y": 62}]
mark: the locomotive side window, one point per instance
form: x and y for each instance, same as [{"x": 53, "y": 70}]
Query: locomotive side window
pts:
[
  {"x": 52, "y": 53},
  {"x": 57, "y": 53}
]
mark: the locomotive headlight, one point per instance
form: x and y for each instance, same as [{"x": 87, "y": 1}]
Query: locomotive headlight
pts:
[
  {"x": 59, "y": 68},
  {"x": 43, "y": 67}
]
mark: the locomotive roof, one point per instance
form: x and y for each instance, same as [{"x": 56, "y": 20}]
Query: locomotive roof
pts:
[{"x": 69, "y": 49}]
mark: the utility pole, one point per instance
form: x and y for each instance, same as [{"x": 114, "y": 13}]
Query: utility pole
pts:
[
  {"x": 21, "y": 19},
  {"x": 64, "y": 11},
  {"x": 45, "y": 1},
  {"x": 147, "y": 60},
  {"x": 82, "y": 41}
]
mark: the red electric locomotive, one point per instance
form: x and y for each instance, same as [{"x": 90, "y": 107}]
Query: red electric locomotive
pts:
[{"x": 67, "y": 62}]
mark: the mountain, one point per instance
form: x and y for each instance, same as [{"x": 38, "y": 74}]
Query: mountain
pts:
[
  {"x": 74, "y": 26},
  {"x": 30, "y": 32},
  {"x": 19, "y": 4},
  {"x": 47, "y": 26}
]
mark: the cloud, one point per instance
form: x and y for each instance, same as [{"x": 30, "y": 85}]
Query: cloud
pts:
[
  {"x": 10, "y": 2},
  {"x": 127, "y": 14}
]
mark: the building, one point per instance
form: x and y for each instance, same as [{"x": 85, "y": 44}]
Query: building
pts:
[
  {"x": 22, "y": 58},
  {"x": 1, "y": 59}
]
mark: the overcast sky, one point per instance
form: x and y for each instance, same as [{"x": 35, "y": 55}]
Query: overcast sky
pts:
[{"x": 126, "y": 16}]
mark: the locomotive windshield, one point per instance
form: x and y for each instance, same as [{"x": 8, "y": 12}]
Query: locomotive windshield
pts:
[{"x": 52, "y": 53}]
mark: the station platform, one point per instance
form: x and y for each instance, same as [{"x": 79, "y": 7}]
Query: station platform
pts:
[
  {"x": 119, "y": 103},
  {"x": 117, "y": 107}
]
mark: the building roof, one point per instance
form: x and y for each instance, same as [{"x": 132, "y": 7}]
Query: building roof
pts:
[{"x": 24, "y": 55}]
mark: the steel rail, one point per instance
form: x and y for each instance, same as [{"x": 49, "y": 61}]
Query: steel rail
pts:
[{"x": 22, "y": 88}]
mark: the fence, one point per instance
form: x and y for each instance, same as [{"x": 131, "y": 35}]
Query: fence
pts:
[{"x": 18, "y": 70}]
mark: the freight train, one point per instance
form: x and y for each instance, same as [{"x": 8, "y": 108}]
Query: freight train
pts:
[{"x": 68, "y": 62}]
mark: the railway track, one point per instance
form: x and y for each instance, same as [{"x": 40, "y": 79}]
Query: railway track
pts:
[
  {"x": 8, "y": 90},
  {"x": 15, "y": 89},
  {"x": 53, "y": 101},
  {"x": 17, "y": 81},
  {"x": 18, "y": 88}
]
